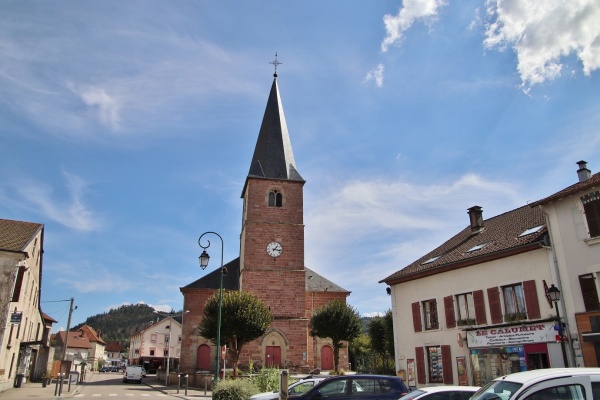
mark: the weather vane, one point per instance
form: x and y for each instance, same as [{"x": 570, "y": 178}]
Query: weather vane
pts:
[{"x": 275, "y": 63}]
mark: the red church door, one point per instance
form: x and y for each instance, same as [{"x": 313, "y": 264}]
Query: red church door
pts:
[
  {"x": 273, "y": 356},
  {"x": 203, "y": 358},
  {"x": 326, "y": 358}
]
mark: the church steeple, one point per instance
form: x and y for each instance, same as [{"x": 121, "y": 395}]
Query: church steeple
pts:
[{"x": 273, "y": 156}]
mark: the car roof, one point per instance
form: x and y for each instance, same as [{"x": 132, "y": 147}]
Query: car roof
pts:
[
  {"x": 435, "y": 389},
  {"x": 547, "y": 373}
]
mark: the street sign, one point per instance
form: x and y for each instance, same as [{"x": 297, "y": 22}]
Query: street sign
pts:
[{"x": 16, "y": 317}]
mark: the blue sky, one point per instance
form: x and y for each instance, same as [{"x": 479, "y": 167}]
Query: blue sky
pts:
[{"x": 128, "y": 128}]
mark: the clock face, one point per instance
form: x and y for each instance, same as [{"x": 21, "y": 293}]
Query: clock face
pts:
[{"x": 274, "y": 249}]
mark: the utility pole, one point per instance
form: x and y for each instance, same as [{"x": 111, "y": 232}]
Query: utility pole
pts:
[{"x": 64, "y": 355}]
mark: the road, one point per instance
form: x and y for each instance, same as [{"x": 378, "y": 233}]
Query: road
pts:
[{"x": 110, "y": 386}]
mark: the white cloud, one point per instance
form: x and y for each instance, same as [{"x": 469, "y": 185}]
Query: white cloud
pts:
[
  {"x": 41, "y": 198},
  {"x": 544, "y": 33},
  {"x": 376, "y": 75},
  {"x": 411, "y": 11},
  {"x": 107, "y": 106}
]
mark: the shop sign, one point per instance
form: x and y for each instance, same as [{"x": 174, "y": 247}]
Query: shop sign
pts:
[{"x": 510, "y": 335}]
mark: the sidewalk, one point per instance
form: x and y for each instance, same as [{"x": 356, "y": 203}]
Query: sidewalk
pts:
[
  {"x": 34, "y": 390},
  {"x": 172, "y": 390}
]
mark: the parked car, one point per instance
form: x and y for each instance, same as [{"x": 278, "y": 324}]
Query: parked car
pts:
[
  {"x": 350, "y": 387},
  {"x": 299, "y": 387},
  {"x": 542, "y": 384},
  {"x": 114, "y": 369},
  {"x": 442, "y": 393},
  {"x": 104, "y": 369}
]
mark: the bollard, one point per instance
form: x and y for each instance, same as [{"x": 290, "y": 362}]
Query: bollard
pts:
[
  {"x": 60, "y": 388},
  {"x": 186, "y": 383},
  {"x": 56, "y": 387},
  {"x": 205, "y": 384},
  {"x": 178, "y": 382}
]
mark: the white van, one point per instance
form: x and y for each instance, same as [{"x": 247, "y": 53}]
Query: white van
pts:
[
  {"x": 133, "y": 373},
  {"x": 544, "y": 384}
]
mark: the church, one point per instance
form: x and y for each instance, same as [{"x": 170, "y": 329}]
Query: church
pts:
[{"x": 270, "y": 264}]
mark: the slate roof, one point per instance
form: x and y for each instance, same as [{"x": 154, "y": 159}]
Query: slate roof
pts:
[
  {"x": 273, "y": 156},
  {"x": 231, "y": 281},
  {"x": 314, "y": 281},
  {"x": 501, "y": 236},
  {"x": 318, "y": 283},
  {"x": 592, "y": 181},
  {"x": 16, "y": 235}
]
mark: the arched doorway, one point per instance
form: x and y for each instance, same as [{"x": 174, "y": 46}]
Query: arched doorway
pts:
[
  {"x": 203, "y": 358},
  {"x": 326, "y": 358}
]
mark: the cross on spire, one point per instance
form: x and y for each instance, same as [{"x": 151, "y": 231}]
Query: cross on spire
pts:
[{"x": 275, "y": 63}]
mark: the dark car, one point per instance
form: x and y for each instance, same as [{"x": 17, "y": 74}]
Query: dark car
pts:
[
  {"x": 104, "y": 369},
  {"x": 114, "y": 369},
  {"x": 356, "y": 387}
]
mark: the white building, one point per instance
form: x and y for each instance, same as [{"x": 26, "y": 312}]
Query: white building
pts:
[
  {"x": 475, "y": 308},
  {"x": 23, "y": 327},
  {"x": 573, "y": 215},
  {"x": 152, "y": 347}
]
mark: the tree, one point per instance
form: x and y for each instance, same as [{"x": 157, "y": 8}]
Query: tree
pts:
[
  {"x": 389, "y": 332},
  {"x": 337, "y": 321},
  {"x": 244, "y": 317},
  {"x": 377, "y": 335}
]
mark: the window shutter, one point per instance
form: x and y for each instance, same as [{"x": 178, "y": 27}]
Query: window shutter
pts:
[
  {"x": 449, "y": 307},
  {"x": 531, "y": 300},
  {"x": 420, "y": 355},
  {"x": 447, "y": 365},
  {"x": 495, "y": 308},
  {"x": 591, "y": 207},
  {"x": 480, "y": 318},
  {"x": 589, "y": 292},
  {"x": 416, "y": 314},
  {"x": 18, "y": 284}
]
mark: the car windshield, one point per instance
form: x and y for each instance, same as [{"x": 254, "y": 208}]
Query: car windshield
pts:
[
  {"x": 412, "y": 394},
  {"x": 496, "y": 390}
]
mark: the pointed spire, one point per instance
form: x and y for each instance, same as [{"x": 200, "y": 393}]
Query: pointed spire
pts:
[{"x": 273, "y": 156}]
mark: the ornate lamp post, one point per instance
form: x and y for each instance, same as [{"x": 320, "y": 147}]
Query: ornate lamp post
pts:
[
  {"x": 554, "y": 294},
  {"x": 204, "y": 257}
]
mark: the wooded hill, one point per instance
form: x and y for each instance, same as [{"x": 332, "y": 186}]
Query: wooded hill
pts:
[{"x": 118, "y": 324}]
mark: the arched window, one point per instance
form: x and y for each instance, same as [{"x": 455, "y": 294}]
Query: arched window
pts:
[{"x": 275, "y": 198}]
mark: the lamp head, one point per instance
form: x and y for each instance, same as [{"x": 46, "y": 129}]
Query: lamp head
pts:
[
  {"x": 203, "y": 259},
  {"x": 554, "y": 293}
]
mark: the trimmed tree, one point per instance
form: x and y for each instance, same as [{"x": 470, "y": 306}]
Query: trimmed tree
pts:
[
  {"x": 337, "y": 321},
  {"x": 244, "y": 317}
]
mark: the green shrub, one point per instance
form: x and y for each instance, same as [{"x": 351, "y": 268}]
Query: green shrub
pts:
[
  {"x": 238, "y": 389},
  {"x": 267, "y": 380}
]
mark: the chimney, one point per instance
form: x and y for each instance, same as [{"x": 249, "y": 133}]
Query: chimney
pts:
[
  {"x": 583, "y": 173},
  {"x": 476, "y": 218}
]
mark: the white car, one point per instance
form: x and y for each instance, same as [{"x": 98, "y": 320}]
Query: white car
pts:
[
  {"x": 442, "y": 393},
  {"x": 295, "y": 388},
  {"x": 542, "y": 384}
]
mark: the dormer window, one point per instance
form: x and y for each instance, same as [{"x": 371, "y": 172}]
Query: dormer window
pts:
[
  {"x": 591, "y": 208},
  {"x": 478, "y": 247},
  {"x": 275, "y": 198},
  {"x": 429, "y": 261},
  {"x": 531, "y": 230}
]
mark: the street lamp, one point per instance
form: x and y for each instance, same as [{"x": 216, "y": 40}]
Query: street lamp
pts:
[
  {"x": 554, "y": 294},
  {"x": 168, "y": 352},
  {"x": 203, "y": 259}
]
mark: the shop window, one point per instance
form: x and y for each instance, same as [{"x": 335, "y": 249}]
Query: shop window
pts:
[
  {"x": 465, "y": 310},
  {"x": 434, "y": 361},
  {"x": 589, "y": 292},
  {"x": 591, "y": 208},
  {"x": 275, "y": 198},
  {"x": 514, "y": 303},
  {"x": 430, "y": 316}
]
